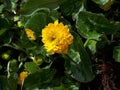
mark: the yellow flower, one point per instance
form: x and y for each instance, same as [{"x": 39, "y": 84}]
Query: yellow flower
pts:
[
  {"x": 56, "y": 37},
  {"x": 22, "y": 77},
  {"x": 30, "y": 34}
]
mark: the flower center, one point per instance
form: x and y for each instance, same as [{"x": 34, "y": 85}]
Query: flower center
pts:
[{"x": 53, "y": 38}]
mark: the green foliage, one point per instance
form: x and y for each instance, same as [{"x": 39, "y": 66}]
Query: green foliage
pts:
[
  {"x": 90, "y": 26},
  {"x": 39, "y": 79},
  {"x": 101, "y": 2},
  {"x": 43, "y": 20},
  {"x": 76, "y": 67},
  {"x": 93, "y": 31},
  {"x": 91, "y": 44},
  {"x": 4, "y": 23},
  {"x": 4, "y": 83},
  {"x": 116, "y": 54},
  {"x": 31, "y": 5},
  {"x": 68, "y": 7},
  {"x": 31, "y": 67},
  {"x": 8, "y": 83}
]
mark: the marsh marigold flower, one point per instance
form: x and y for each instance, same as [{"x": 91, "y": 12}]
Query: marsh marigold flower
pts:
[
  {"x": 30, "y": 34},
  {"x": 22, "y": 77},
  {"x": 56, "y": 38}
]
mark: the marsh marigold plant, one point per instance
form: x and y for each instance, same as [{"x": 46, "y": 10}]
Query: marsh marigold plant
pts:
[{"x": 56, "y": 37}]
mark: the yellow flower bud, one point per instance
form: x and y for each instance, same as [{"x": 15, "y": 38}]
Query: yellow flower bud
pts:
[
  {"x": 30, "y": 34},
  {"x": 22, "y": 77}
]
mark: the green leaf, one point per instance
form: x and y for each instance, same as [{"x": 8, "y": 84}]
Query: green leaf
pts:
[
  {"x": 6, "y": 31},
  {"x": 8, "y": 4},
  {"x": 101, "y": 2},
  {"x": 91, "y": 44},
  {"x": 8, "y": 39},
  {"x": 116, "y": 53},
  {"x": 62, "y": 87},
  {"x": 59, "y": 88},
  {"x": 2, "y": 1},
  {"x": 91, "y": 26},
  {"x": 102, "y": 42},
  {"x": 3, "y": 83},
  {"x": 31, "y": 67},
  {"x": 29, "y": 5},
  {"x": 81, "y": 70},
  {"x": 67, "y": 84},
  {"x": 1, "y": 8},
  {"x": 4, "y": 23},
  {"x": 39, "y": 80},
  {"x": 0, "y": 67},
  {"x": 12, "y": 81},
  {"x": 13, "y": 66},
  {"x": 37, "y": 22},
  {"x": 74, "y": 55},
  {"x": 68, "y": 7},
  {"x": 8, "y": 83},
  {"x": 2, "y": 31}
]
